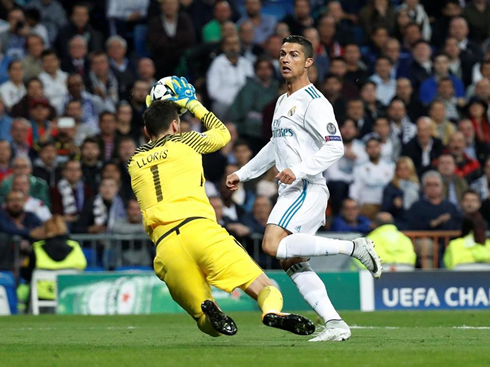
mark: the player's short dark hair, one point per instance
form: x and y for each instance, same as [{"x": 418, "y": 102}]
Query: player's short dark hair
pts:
[
  {"x": 304, "y": 42},
  {"x": 159, "y": 116}
]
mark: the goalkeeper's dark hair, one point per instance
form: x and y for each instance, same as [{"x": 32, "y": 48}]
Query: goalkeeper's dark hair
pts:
[
  {"x": 304, "y": 42},
  {"x": 159, "y": 115}
]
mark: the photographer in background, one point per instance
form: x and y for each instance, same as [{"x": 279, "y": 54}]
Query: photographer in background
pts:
[{"x": 14, "y": 38}]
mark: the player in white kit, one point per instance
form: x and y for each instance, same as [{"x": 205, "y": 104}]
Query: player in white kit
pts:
[{"x": 305, "y": 142}]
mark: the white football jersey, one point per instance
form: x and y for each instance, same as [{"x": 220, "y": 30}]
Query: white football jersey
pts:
[{"x": 305, "y": 138}]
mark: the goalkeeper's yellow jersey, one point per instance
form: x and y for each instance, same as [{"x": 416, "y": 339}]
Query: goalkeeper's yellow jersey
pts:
[{"x": 167, "y": 175}]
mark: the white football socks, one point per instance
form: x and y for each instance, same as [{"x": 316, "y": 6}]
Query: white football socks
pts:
[
  {"x": 306, "y": 245},
  {"x": 313, "y": 290}
]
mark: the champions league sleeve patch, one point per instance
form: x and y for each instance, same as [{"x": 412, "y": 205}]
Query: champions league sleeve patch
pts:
[
  {"x": 333, "y": 138},
  {"x": 331, "y": 128}
]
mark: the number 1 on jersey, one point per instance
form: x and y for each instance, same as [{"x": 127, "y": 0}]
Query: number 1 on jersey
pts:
[{"x": 156, "y": 182}]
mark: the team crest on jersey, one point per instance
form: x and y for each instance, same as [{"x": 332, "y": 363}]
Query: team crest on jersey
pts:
[
  {"x": 292, "y": 111},
  {"x": 331, "y": 128}
]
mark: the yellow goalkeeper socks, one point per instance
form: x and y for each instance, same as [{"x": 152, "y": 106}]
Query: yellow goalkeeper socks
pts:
[
  {"x": 270, "y": 300},
  {"x": 205, "y": 326}
]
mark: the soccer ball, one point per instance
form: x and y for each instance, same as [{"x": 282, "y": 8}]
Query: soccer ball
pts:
[{"x": 161, "y": 90}]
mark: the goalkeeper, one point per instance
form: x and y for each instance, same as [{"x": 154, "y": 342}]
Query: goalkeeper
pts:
[{"x": 193, "y": 251}]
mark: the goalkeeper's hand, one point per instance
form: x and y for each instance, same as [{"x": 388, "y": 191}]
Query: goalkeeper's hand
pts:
[{"x": 186, "y": 97}]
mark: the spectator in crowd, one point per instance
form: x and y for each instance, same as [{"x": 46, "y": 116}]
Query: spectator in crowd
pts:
[
  {"x": 5, "y": 156},
  {"x": 146, "y": 70},
  {"x": 332, "y": 90},
  {"x": 421, "y": 67},
  {"x": 101, "y": 212},
  {"x": 370, "y": 178},
  {"x": 401, "y": 126},
  {"x": 249, "y": 50},
  {"x": 74, "y": 110},
  {"x": 54, "y": 80},
  {"x": 482, "y": 184},
  {"x": 264, "y": 24},
  {"x": 386, "y": 85},
  {"x": 411, "y": 34},
  {"x": 108, "y": 139},
  {"x": 404, "y": 92},
  {"x": 91, "y": 165},
  {"x": 394, "y": 247},
  {"x": 453, "y": 185},
  {"x": 13, "y": 90},
  {"x": 428, "y": 89},
  {"x": 14, "y": 220},
  {"x": 390, "y": 145},
  {"x": 477, "y": 14},
  {"x": 77, "y": 60},
  {"x": 423, "y": 149},
  {"x": 78, "y": 25},
  {"x": 92, "y": 105},
  {"x": 211, "y": 31},
  {"x": 135, "y": 253},
  {"x": 32, "y": 64},
  {"x": 101, "y": 79},
  {"x": 70, "y": 193},
  {"x": 65, "y": 139},
  {"x": 21, "y": 165},
  {"x": 138, "y": 104},
  {"x": 356, "y": 69},
  {"x": 355, "y": 112},
  {"x": 417, "y": 13},
  {"x": 458, "y": 28},
  {"x": 472, "y": 221},
  {"x": 13, "y": 38},
  {"x": 460, "y": 65},
  {"x": 377, "y": 13},
  {"x": 126, "y": 149},
  {"x": 19, "y": 133},
  {"x": 34, "y": 90},
  {"x": 350, "y": 219},
  {"x": 378, "y": 39},
  {"x": 440, "y": 28},
  {"x": 432, "y": 212},
  {"x": 320, "y": 57},
  {"x": 477, "y": 113},
  {"x": 124, "y": 117},
  {"x": 32, "y": 204},
  {"x": 474, "y": 148},
  {"x": 340, "y": 174},
  {"x": 401, "y": 192},
  {"x": 126, "y": 17},
  {"x": 172, "y": 31},
  {"x": 330, "y": 39},
  {"x": 246, "y": 109},
  {"x": 466, "y": 166},
  {"x": 373, "y": 108},
  {"x": 452, "y": 104},
  {"x": 338, "y": 67},
  {"x": 481, "y": 71},
  {"x": 46, "y": 166},
  {"x": 257, "y": 220},
  {"x": 53, "y": 15},
  {"x": 120, "y": 65},
  {"x": 227, "y": 75},
  {"x": 442, "y": 128},
  {"x": 400, "y": 62},
  {"x": 42, "y": 129},
  {"x": 217, "y": 205},
  {"x": 33, "y": 20}
]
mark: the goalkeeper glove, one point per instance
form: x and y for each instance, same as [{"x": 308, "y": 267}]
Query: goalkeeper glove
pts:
[{"x": 186, "y": 97}]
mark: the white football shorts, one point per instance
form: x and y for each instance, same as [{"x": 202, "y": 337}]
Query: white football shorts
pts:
[{"x": 301, "y": 207}]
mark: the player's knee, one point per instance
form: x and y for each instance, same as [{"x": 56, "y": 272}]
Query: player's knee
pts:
[{"x": 269, "y": 246}]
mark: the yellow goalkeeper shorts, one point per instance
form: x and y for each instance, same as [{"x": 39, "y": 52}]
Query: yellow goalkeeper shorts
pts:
[{"x": 198, "y": 253}]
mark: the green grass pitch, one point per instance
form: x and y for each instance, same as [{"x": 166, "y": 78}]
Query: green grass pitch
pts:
[{"x": 454, "y": 338}]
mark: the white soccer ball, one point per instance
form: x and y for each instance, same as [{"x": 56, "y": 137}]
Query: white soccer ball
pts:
[{"x": 162, "y": 90}]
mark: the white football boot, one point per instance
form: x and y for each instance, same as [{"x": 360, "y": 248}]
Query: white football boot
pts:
[
  {"x": 335, "y": 331},
  {"x": 364, "y": 252}
]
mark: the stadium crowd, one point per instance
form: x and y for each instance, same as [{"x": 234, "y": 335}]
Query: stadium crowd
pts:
[{"x": 409, "y": 82}]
